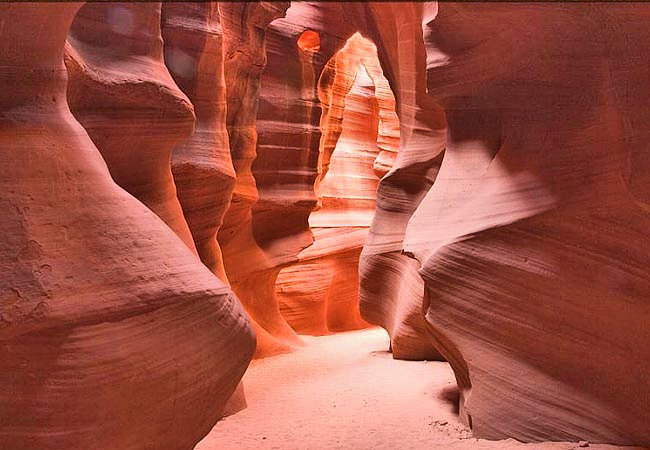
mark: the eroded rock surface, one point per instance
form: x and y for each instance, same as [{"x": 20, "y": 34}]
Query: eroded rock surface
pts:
[
  {"x": 391, "y": 291},
  {"x": 202, "y": 167},
  {"x": 266, "y": 226},
  {"x": 112, "y": 333},
  {"x": 533, "y": 249},
  {"x": 320, "y": 292},
  {"x": 248, "y": 268},
  {"x": 509, "y": 232},
  {"x": 122, "y": 93}
]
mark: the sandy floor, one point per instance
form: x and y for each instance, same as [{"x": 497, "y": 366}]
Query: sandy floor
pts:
[{"x": 346, "y": 392}]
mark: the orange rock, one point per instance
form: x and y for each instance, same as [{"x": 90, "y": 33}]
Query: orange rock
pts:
[
  {"x": 391, "y": 291},
  {"x": 249, "y": 268},
  {"x": 267, "y": 226},
  {"x": 112, "y": 333},
  {"x": 319, "y": 293},
  {"x": 202, "y": 167},
  {"x": 534, "y": 252},
  {"x": 124, "y": 96}
]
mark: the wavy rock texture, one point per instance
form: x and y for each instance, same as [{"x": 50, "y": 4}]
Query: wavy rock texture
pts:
[
  {"x": 266, "y": 226},
  {"x": 631, "y": 25},
  {"x": 319, "y": 294},
  {"x": 247, "y": 266},
  {"x": 124, "y": 96},
  {"x": 533, "y": 249},
  {"x": 202, "y": 167},
  {"x": 299, "y": 47},
  {"x": 112, "y": 334},
  {"x": 391, "y": 291},
  {"x": 359, "y": 123}
]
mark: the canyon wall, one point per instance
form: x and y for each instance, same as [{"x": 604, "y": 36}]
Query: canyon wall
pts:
[
  {"x": 391, "y": 291},
  {"x": 248, "y": 267},
  {"x": 267, "y": 225},
  {"x": 360, "y": 134},
  {"x": 515, "y": 214},
  {"x": 112, "y": 333},
  {"x": 122, "y": 93},
  {"x": 201, "y": 165},
  {"x": 532, "y": 240},
  {"x": 495, "y": 209}
]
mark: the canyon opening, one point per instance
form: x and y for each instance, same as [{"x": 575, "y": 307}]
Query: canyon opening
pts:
[{"x": 324, "y": 225}]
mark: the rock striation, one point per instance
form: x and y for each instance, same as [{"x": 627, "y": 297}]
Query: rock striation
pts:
[
  {"x": 122, "y": 93},
  {"x": 202, "y": 166},
  {"x": 319, "y": 293},
  {"x": 267, "y": 223},
  {"x": 391, "y": 291},
  {"x": 533, "y": 240},
  {"x": 480, "y": 169},
  {"x": 248, "y": 267},
  {"x": 112, "y": 333}
]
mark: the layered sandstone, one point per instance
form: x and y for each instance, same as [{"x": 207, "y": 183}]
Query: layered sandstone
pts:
[
  {"x": 319, "y": 293},
  {"x": 508, "y": 234},
  {"x": 202, "y": 167},
  {"x": 533, "y": 239},
  {"x": 248, "y": 267},
  {"x": 391, "y": 291},
  {"x": 267, "y": 223},
  {"x": 112, "y": 333},
  {"x": 360, "y": 136},
  {"x": 122, "y": 93}
]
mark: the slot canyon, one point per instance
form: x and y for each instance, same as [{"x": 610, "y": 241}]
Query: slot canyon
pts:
[{"x": 324, "y": 225}]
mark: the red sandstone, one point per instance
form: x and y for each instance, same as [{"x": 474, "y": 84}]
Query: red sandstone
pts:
[{"x": 471, "y": 177}]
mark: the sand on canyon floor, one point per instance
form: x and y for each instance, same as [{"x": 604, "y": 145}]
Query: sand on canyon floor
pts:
[{"x": 344, "y": 391}]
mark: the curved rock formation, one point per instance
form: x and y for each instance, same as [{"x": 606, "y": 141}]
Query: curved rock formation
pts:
[
  {"x": 319, "y": 293},
  {"x": 335, "y": 83},
  {"x": 124, "y": 96},
  {"x": 533, "y": 250},
  {"x": 247, "y": 266},
  {"x": 391, "y": 291},
  {"x": 266, "y": 225},
  {"x": 359, "y": 123},
  {"x": 112, "y": 334},
  {"x": 202, "y": 166}
]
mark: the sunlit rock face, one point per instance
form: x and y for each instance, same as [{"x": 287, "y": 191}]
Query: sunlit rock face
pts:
[
  {"x": 124, "y": 96},
  {"x": 358, "y": 123},
  {"x": 112, "y": 334},
  {"x": 391, "y": 291},
  {"x": 486, "y": 185},
  {"x": 266, "y": 226},
  {"x": 246, "y": 264},
  {"x": 533, "y": 239},
  {"x": 319, "y": 294}
]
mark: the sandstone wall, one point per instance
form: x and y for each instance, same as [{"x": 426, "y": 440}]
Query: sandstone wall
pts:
[
  {"x": 112, "y": 333},
  {"x": 201, "y": 165},
  {"x": 533, "y": 251},
  {"x": 391, "y": 291},
  {"x": 359, "y": 128},
  {"x": 122, "y": 93}
]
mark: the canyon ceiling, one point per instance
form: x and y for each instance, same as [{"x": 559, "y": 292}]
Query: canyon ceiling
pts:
[{"x": 188, "y": 186}]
